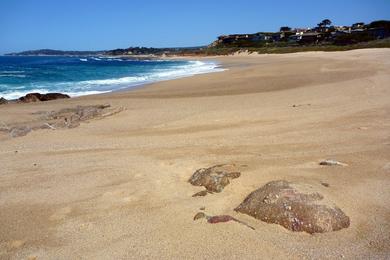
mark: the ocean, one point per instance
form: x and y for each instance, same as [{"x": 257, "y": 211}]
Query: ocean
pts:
[{"x": 77, "y": 76}]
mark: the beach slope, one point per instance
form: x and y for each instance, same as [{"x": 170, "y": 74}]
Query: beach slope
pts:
[{"x": 116, "y": 187}]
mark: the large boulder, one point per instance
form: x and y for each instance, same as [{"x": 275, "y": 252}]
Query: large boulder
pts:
[
  {"x": 31, "y": 97},
  {"x": 215, "y": 178},
  {"x": 36, "y": 97},
  {"x": 294, "y": 207},
  {"x": 53, "y": 96}
]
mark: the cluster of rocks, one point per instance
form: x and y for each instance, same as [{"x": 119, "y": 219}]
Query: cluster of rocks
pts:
[
  {"x": 35, "y": 97},
  {"x": 64, "y": 118},
  {"x": 295, "y": 207}
]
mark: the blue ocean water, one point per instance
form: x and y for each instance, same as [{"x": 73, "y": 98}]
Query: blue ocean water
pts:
[{"x": 78, "y": 76}]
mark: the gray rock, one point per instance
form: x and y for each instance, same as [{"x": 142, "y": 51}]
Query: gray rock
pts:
[
  {"x": 279, "y": 202},
  {"x": 64, "y": 118},
  {"x": 215, "y": 178},
  {"x": 36, "y": 97},
  {"x": 20, "y": 131}
]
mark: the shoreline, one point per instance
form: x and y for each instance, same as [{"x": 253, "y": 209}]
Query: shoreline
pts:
[
  {"x": 215, "y": 67},
  {"x": 116, "y": 185},
  {"x": 217, "y": 60}
]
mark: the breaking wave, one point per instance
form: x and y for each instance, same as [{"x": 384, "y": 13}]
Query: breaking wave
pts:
[{"x": 141, "y": 72}]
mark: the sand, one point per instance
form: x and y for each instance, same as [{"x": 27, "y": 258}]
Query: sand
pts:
[{"x": 116, "y": 188}]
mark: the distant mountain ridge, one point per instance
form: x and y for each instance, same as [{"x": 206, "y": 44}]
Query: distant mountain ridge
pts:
[
  {"x": 115, "y": 52},
  {"x": 51, "y": 52}
]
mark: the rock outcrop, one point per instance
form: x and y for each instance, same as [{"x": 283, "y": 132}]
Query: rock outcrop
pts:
[
  {"x": 281, "y": 202},
  {"x": 215, "y": 178},
  {"x": 31, "y": 97},
  {"x": 64, "y": 118},
  {"x": 3, "y": 101},
  {"x": 36, "y": 97},
  {"x": 53, "y": 96}
]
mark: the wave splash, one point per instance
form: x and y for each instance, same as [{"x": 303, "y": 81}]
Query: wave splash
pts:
[{"x": 98, "y": 86}]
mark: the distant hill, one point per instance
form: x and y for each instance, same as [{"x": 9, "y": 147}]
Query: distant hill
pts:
[
  {"x": 133, "y": 51},
  {"x": 152, "y": 51},
  {"x": 56, "y": 53}
]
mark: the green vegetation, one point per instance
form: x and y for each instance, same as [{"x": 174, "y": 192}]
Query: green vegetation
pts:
[
  {"x": 324, "y": 36},
  {"x": 290, "y": 49}
]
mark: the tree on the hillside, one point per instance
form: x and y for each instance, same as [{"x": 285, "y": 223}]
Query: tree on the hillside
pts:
[
  {"x": 285, "y": 29},
  {"x": 324, "y": 23}
]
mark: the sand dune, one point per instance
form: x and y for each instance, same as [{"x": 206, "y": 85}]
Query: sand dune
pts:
[{"x": 117, "y": 187}]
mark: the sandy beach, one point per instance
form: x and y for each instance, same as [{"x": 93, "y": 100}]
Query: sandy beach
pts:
[{"x": 117, "y": 187}]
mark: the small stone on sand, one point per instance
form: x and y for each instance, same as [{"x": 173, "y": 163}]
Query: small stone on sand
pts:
[
  {"x": 200, "y": 193},
  {"x": 215, "y": 178},
  {"x": 329, "y": 162},
  {"x": 199, "y": 215}
]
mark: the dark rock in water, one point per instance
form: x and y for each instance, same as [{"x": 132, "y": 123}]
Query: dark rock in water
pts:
[
  {"x": 36, "y": 97},
  {"x": 53, "y": 96},
  {"x": 280, "y": 202},
  {"x": 215, "y": 178},
  {"x": 31, "y": 97},
  {"x": 3, "y": 101}
]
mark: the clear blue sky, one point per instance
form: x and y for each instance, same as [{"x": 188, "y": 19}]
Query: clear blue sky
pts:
[{"x": 99, "y": 24}]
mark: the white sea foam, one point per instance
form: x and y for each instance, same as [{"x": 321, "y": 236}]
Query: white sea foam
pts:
[
  {"x": 17, "y": 94},
  {"x": 83, "y": 59},
  {"x": 13, "y": 75},
  {"x": 11, "y": 71},
  {"x": 89, "y": 87},
  {"x": 84, "y": 93},
  {"x": 117, "y": 81},
  {"x": 195, "y": 67}
]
